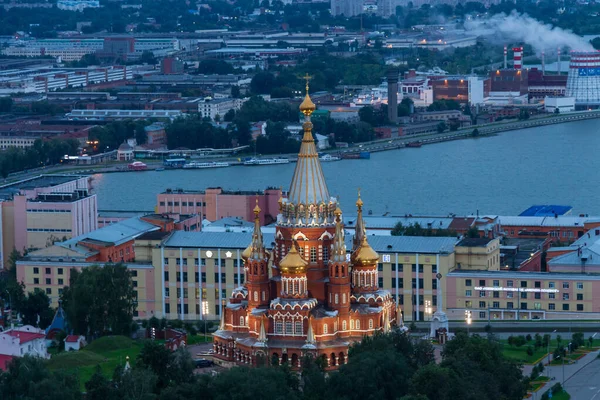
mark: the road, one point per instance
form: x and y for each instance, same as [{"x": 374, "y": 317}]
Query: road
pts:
[{"x": 585, "y": 384}]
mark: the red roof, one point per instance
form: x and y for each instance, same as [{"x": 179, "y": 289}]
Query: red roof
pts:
[
  {"x": 25, "y": 336},
  {"x": 4, "y": 361},
  {"x": 72, "y": 339}
]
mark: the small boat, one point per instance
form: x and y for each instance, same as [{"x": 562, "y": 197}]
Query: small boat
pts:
[
  {"x": 198, "y": 165},
  {"x": 266, "y": 161},
  {"x": 137, "y": 166},
  {"x": 414, "y": 144},
  {"x": 363, "y": 155},
  {"x": 159, "y": 169},
  {"x": 329, "y": 157}
]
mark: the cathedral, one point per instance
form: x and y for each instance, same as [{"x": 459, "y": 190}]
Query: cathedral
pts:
[{"x": 319, "y": 298}]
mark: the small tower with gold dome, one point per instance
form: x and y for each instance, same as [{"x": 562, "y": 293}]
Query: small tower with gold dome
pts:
[
  {"x": 339, "y": 274},
  {"x": 256, "y": 266},
  {"x": 294, "y": 284},
  {"x": 364, "y": 259}
]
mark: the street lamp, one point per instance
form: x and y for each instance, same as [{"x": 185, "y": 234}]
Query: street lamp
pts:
[
  {"x": 549, "y": 340},
  {"x": 204, "y": 313},
  {"x": 468, "y": 320},
  {"x": 428, "y": 307}
]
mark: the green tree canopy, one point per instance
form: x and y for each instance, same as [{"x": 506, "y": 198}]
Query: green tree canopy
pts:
[{"x": 100, "y": 299}]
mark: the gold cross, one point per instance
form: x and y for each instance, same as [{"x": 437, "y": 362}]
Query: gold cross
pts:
[{"x": 307, "y": 78}]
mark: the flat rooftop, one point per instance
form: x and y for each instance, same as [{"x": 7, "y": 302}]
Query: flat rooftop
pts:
[{"x": 36, "y": 182}]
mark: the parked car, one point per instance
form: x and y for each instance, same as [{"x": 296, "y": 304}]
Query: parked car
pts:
[{"x": 203, "y": 363}]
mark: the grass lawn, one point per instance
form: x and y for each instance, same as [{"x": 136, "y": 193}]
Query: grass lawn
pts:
[
  {"x": 561, "y": 396},
  {"x": 108, "y": 352},
  {"x": 520, "y": 353},
  {"x": 195, "y": 339},
  {"x": 535, "y": 386}
]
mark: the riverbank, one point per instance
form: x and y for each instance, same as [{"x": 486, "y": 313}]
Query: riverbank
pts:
[{"x": 400, "y": 142}]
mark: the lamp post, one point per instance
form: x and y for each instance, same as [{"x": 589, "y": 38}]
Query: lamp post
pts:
[
  {"x": 10, "y": 303},
  {"x": 204, "y": 312},
  {"x": 468, "y": 320},
  {"x": 549, "y": 340}
]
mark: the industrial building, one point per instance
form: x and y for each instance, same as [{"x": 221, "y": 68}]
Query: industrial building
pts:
[
  {"x": 583, "y": 82},
  {"x": 48, "y": 79}
]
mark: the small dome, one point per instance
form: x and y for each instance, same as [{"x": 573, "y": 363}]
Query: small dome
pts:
[
  {"x": 293, "y": 263},
  {"x": 307, "y": 106},
  {"x": 365, "y": 255},
  {"x": 247, "y": 253},
  {"x": 125, "y": 147}
]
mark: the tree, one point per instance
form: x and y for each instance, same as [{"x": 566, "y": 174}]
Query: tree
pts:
[
  {"x": 6, "y": 104},
  {"x": 28, "y": 378},
  {"x": 229, "y": 115},
  {"x": 438, "y": 383},
  {"x": 98, "y": 387},
  {"x": 100, "y": 299},
  {"x": 235, "y": 92},
  {"x": 37, "y": 307},
  {"x": 441, "y": 127},
  {"x": 135, "y": 384},
  {"x": 210, "y": 67},
  {"x": 382, "y": 374},
  {"x": 262, "y": 83},
  {"x": 481, "y": 367},
  {"x": 473, "y": 232},
  {"x": 596, "y": 43},
  {"x": 169, "y": 367}
]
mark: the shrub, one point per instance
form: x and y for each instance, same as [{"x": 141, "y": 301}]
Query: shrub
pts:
[
  {"x": 529, "y": 350},
  {"x": 511, "y": 340},
  {"x": 541, "y": 367},
  {"x": 528, "y": 337}
]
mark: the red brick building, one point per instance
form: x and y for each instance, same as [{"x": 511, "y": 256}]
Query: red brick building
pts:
[{"x": 317, "y": 301}]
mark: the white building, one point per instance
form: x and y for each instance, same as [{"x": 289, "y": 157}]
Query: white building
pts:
[
  {"x": 74, "y": 342},
  {"x": 26, "y": 340},
  {"x": 476, "y": 89},
  {"x": 77, "y": 5},
  {"x": 16, "y": 141},
  {"x": 210, "y": 108},
  {"x": 562, "y": 104}
]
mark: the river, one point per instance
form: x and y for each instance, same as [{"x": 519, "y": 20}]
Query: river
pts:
[{"x": 503, "y": 174}]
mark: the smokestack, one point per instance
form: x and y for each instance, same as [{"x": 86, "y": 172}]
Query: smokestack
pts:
[
  {"x": 392, "y": 82},
  {"x": 505, "y": 54},
  {"x": 543, "y": 63},
  {"x": 517, "y": 57},
  {"x": 558, "y": 53}
]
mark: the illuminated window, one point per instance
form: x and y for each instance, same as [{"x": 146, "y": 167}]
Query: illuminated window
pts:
[
  {"x": 370, "y": 324},
  {"x": 325, "y": 329},
  {"x": 357, "y": 324}
]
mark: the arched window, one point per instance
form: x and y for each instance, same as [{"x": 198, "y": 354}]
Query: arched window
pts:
[
  {"x": 351, "y": 324},
  {"x": 264, "y": 295},
  {"x": 336, "y": 298},
  {"x": 325, "y": 329},
  {"x": 255, "y": 296},
  {"x": 357, "y": 324},
  {"x": 343, "y": 298},
  {"x": 279, "y": 327},
  {"x": 344, "y": 325},
  {"x": 370, "y": 324},
  {"x": 242, "y": 321}
]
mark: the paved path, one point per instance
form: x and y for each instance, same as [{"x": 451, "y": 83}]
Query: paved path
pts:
[{"x": 582, "y": 379}]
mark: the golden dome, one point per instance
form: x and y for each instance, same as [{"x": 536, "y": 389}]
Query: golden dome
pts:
[
  {"x": 247, "y": 253},
  {"x": 359, "y": 202},
  {"x": 293, "y": 263},
  {"x": 365, "y": 255},
  {"x": 307, "y": 106},
  {"x": 337, "y": 212},
  {"x": 256, "y": 209}
]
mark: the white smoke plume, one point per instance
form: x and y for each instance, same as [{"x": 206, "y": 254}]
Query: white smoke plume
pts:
[{"x": 517, "y": 27}]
